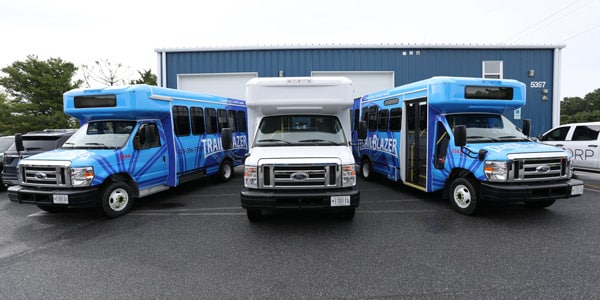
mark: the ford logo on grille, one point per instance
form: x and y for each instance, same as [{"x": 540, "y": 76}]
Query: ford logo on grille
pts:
[
  {"x": 40, "y": 175},
  {"x": 299, "y": 176},
  {"x": 542, "y": 169}
]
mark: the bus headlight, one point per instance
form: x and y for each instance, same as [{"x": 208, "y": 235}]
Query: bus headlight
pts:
[
  {"x": 250, "y": 177},
  {"x": 496, "y": 170},
  {"x": 348, "y": 175},
  {"x": 82, "y": 176}
]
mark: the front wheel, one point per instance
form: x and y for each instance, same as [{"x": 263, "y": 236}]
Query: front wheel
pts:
[
  {"x": 366, "y": 169},
  {"x": 117, "y": 199},
  {"x": 225, "y": 171},
  {"x": 463, "y": 196}
]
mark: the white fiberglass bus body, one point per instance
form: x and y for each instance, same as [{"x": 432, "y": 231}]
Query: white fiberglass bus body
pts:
[{"x": 299, "y": 139}]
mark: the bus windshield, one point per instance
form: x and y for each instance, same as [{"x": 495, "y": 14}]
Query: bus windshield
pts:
[
  {"x": 486, "y": 128},
  {"x": 295, "y": 130},
  {"x": 101, "y": 135}
]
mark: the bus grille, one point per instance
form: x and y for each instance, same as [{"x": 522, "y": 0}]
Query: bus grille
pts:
[
  {"x": 539, "y": 168},
  {"x": 43, "y": 175},
  {"x": 301, "y": 176}
]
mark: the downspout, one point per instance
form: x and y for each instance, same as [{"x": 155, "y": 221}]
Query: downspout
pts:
[{"x": 556, "y": 97}]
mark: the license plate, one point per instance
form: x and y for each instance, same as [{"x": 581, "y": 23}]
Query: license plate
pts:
[
  {"x": 60, "y": 199},
  {"x": 340, "y": 200},
  {"x": 577, "y": 190}
]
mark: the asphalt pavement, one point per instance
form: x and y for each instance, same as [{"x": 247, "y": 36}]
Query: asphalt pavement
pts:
[{"x": 590, "y": 180}]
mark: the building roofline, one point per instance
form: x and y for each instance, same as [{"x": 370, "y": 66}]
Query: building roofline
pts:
[{"x": 362, "y": 46}]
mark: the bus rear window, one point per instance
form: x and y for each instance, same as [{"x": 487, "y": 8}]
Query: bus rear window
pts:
[
  {"x": 489, "y": 92},
  {"x": 95, "y": 101}
]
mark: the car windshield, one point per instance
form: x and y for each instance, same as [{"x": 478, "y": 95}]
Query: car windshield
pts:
[
  {"x": 5, "y": 142},
  {"x": 314, "y": 130},
  {"x": 101, "y": 134},
  {"x": 486, "y": 128}
]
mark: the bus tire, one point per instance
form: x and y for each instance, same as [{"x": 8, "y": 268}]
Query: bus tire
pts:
[
  {"x": 225, "y": 171},
  {"x": 366, "y": 169},
  {"x": 463, "y": 196},
  {"x": 254, "y": 214},
  {"x": 539, "y": 204},
  {"x": 117, "y": 199}
]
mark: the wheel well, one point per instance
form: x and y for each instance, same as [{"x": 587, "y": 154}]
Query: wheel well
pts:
[
  {"x": 123, "y": 177},
  {"x": 456, "y": 173}
]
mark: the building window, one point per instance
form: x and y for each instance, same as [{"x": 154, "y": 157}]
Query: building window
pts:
[{"x": 492, "y": 69}]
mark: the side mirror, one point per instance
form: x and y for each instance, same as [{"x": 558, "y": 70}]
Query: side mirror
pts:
[
  {"x": 460, "y": 135},
  {"x": 526, "y": 127},
  {"x": 19, "y": 142},
  {"x": 227, "y": 138},
  {"x": 362, "y": 130}
]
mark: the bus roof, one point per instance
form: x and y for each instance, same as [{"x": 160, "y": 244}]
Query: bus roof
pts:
[
  {"x": 134, "y": 102},
  {"x": 328, "y": 94},
  {"x": 460, "y": 94}
]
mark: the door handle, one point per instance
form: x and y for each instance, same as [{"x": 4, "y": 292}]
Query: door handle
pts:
[{"x": 593, "y": 146}]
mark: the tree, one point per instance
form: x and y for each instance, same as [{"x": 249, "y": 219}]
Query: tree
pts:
[
  {"x": 146, "y": 77},
  {"x": 35, "y": 91},
  {"x": 105, "y": 73}
]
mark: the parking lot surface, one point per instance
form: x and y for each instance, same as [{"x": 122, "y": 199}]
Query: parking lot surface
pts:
[{"x": 196, "y": 242}]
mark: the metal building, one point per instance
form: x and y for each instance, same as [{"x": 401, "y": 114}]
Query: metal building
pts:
[{"x": 224, "y": 71}]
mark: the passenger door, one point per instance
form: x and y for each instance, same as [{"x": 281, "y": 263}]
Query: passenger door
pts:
[{"x": 151, "y": 162}]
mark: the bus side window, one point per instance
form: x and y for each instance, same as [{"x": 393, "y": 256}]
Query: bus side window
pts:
[
  {"x": 232, "y": 121},
  {"x": 211, "y": 120},
  {"x": 372, "y": 118},
  {"x": 222, "y": 114},
  {"x": 395, "y": 119},
  {"x": 197, "y": 117},
  {"x": 441, "y": 146},
  {"x": 181, "y": 120},
  {"x": 241, "y": 119},
  {"x": 382, "y": 120}
]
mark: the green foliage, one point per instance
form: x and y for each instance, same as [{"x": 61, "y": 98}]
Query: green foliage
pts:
[
  {"x": 576, "y": 110},
  {"x": 146, "y": 77},
  {"x": 34, "y": 94}
]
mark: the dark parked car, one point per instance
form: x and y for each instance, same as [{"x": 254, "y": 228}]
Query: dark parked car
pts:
[
  {"x": 33, "y": 143},
  {"x": 5, "y": 142}
]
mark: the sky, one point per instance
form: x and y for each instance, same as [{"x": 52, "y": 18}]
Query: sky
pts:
[{"x": 129, "y": 32}]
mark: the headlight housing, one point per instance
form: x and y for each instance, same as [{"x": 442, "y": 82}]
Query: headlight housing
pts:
[
  {"x": 82, "y": 176},
  {"x": 348, "y": 175},
  {"x": 496, "y": 171},
  {"x": 251, "y": 177}
]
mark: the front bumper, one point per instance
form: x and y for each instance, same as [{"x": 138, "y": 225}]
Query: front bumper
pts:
[
  {"x": 531, "y": 191},
  {"x": 77, "y": 198},
  {"x": 296, "y": 198}
]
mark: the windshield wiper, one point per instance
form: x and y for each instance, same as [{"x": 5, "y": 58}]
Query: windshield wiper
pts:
[
  {"x": 481, "y": 137},
  {"x": 512, "y": 137},
  {"x": 273, "y": 141},
  {"x": 318, "y": 141}
]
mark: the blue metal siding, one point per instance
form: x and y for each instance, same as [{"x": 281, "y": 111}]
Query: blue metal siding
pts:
[{"x": 407, "y": 68}]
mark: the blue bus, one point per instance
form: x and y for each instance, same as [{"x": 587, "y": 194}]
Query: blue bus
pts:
[
  {"x": 134, "y": 141},
  {"x": 449, "y": 134}
]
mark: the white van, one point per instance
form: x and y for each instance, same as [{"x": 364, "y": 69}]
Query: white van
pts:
[{"x": 582, "y": 139}]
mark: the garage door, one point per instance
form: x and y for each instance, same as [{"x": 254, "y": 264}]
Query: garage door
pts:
[
  {"x": 232, "y": 85},
  {"x": 364, "y": 82}
]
